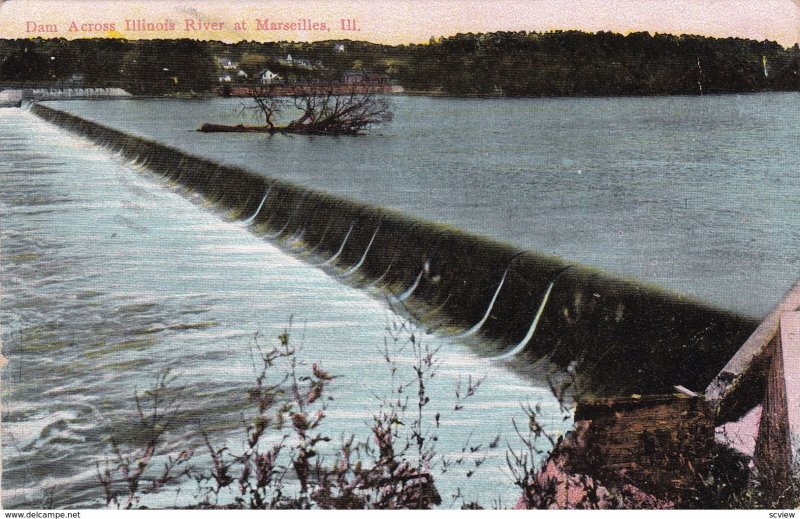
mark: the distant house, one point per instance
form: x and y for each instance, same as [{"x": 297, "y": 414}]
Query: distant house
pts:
[
  {"x": 357, "y": 77},
  {"x": 225, "y": 78},
  {"x": 267, "y": 77},
  {"x": 338, "y": 47},
  {"x": 74, "y": 81},
  {"x": 353, "y": 77},
  {"x": 241, "y": 74},
  {"x": 289, "y": 61},
  {"x": 227, "y": 64},
  {"x": 377, "y": 79}
]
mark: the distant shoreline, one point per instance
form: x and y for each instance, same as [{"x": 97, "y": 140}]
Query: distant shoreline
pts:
[
  {"x": 487, "y": 65},
  {"x": 194, "y": 95}
]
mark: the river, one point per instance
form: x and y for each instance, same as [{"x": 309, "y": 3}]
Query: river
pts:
[{"x": 109, "y": 275}]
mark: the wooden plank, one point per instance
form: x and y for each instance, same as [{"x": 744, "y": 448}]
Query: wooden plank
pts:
[
  {"x": 771, "y": 453},
  {"x": 790, "y": 349},
  {"x": 739, "y": 385},
  {"x": 685, "y": 391},
  {"x": 777, "y": 444}
]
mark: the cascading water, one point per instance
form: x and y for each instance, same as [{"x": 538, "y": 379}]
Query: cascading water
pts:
[
  {"x": 476, "y": 328},
  {"x": 330, "y": 260},
  {"x": 110, "y": 276},
  {"x": 352, "y": 270},
  {"x": 252, "y": 218}
]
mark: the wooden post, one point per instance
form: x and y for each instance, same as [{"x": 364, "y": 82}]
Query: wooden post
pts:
[
  {"x": 779, "y": 434},
  {"x": 740, "y": 385}
]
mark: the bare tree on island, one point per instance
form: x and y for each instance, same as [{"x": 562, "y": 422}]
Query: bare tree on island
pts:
[
  {"x": 269, "y": 104},
  {"x": 325, "y": 109},
  {"x": 327, "y": 112}
]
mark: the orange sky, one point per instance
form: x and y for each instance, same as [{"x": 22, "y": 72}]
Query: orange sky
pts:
[{"x": 397, "y": 21}]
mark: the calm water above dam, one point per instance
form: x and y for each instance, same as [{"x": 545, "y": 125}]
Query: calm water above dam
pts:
[{"x": 696, "y": 194}]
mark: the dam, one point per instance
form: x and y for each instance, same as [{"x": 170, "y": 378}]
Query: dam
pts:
[{"x": 527, "y": 306}]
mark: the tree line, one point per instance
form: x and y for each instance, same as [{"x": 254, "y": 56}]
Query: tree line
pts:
[
  {"x": 604, "y": 64},
  {"x": 559, "y": 63},
  {"x": 147, "y": 67}
]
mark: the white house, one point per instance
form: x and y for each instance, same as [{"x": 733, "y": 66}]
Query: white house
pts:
[
  {"x": 225, "y": 78},
  {"x": 241, "y": 74},
  {"x": 267, "y": 77},
  {"x": 289, "y": 61}
]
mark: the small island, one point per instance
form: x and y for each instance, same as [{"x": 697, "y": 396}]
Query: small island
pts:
[{"x": 324, "y": 109}]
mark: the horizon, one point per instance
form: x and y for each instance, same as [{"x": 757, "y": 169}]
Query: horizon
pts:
[
  {"x": 430, "y": 41},
  {"x": 393, "y": 22}
]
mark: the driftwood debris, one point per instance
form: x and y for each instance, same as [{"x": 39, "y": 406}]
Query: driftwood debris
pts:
[{"x": 239, "y": 128}]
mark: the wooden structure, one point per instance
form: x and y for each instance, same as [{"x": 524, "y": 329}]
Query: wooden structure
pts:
[
  {"x": 658, "y": 443},
  {"x": 777, "y": 444},
  {"x": 662, "y": 444},
  {"x": 766, "y": 370}
]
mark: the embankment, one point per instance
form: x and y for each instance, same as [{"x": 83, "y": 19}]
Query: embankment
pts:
[{"x": 624, "y": 336}]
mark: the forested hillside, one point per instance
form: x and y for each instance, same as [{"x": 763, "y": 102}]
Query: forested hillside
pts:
[{"x": 505, "y": 63}]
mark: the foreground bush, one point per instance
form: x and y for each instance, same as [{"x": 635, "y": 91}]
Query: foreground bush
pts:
[
  {"x": 393, "y": 470},
  {"x": 281, "y": 465}
]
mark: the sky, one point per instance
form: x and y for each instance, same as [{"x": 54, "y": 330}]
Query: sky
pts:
[{"x": 392, "y": 21}]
